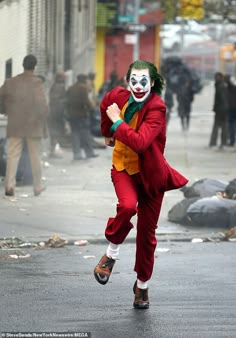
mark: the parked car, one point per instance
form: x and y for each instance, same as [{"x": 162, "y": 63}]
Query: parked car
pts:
[{"x": 171, "y": 37}]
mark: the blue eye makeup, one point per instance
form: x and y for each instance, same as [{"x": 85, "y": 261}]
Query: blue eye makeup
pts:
[
  {"x": 133, "y": 81},
  {"x": 144, "y": 82}
]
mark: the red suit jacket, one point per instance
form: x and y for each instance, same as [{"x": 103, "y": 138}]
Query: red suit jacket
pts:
[{"x": 148, "y": 140}]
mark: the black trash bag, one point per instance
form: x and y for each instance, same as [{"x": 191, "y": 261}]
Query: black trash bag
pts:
[
  {"x": 205, "y": 187},
  {"x": 211, "y": 212},
  {"x": 178, "y": 213}
]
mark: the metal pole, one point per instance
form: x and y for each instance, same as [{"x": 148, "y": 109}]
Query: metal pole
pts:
[{"x": 136, "y": 21}]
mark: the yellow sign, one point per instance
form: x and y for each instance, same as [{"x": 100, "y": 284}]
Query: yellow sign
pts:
[
  {"x": 227, "y": 53},
  {"x": 192, "y": 9}
]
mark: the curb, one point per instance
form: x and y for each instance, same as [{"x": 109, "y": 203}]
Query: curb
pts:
[{"x": 17, "y": 243}]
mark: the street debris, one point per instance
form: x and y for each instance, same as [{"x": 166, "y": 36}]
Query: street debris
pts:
[
  {"x": 81, "y": 242},
  {"x": 19, "y": 257},
  {"x": 12, "y": 253},
  {"x": 12, "y": 242},
  {"x": 53, "y": 242},
  {"x": 24, "y": 195},
  {"x": 229, "y": 235},
  {"x": 89, "y": 256},
  {"x": 56, "y": 242},
  {"x": 46, "y": 164},
  {"x": 162, "y": 249},
  {"x": 197, "y": 240}
]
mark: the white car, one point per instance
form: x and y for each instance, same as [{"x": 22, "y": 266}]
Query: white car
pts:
[{"x": 171, "y": 37}]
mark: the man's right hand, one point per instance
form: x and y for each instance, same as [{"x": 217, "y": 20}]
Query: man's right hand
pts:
[{"x": 109, "y": 141}]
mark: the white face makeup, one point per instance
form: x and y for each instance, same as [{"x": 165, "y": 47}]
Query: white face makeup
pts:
[{"x": 140, "y": 84}]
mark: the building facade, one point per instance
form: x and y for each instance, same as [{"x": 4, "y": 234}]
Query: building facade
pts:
[{"x": 61, "y": 33}]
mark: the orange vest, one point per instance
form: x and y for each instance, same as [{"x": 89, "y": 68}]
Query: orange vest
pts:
[{"x": 124, "y": 158}]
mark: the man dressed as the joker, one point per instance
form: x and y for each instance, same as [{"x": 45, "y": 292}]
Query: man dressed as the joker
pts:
[{"x": 134, "y": 122}]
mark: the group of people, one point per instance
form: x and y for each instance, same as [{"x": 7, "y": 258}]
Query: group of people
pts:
[
  {"x": 30, "y": 118},
  {"x": 225, "y": 111},
  {"x": 76, "y": 106}
]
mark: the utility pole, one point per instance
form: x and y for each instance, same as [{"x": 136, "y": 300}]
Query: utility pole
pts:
[{"x": 136, "y": 21}]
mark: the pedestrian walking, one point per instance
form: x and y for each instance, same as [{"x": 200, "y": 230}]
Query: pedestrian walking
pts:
[
  {"x": 79, "y": 109},
  {"x": 232, "y": 109},
  {"x": 169, "y": 101},
  {"x": 221, "y": 109},
  {"x": 56, "y": 119},
  {"x": 185, "y": 98},
  {"x": 134, "y": 122},
  {"x": 26, "y": 109}
]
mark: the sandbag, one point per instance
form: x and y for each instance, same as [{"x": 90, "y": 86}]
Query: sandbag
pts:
[
  {"x": 205, "y": 187},
  {"x": 178, "y": 213},
  {"x": 212, "y": 211}
]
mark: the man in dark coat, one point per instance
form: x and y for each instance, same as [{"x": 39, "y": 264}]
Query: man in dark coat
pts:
[
  {"x": 185, "y": 98},
  {"x": 56, "y": 122},
  {"x": 78, "y": 108},
  {"x": 221, "y": 109},
  {"x": 26, "y": 109}
]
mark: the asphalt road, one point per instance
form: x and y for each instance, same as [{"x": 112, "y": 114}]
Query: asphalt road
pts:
[{"x": 192, "y": 292}]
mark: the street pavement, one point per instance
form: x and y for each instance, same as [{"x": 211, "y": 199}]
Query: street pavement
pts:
[
  {"x": 43, "y": 289},
  {"x": 192, "y": 293}
]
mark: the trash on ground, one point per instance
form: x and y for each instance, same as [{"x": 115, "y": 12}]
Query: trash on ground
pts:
[
  {"x": 19, "y": 256},
  {"x": 197, "y": 240},
  {"x": 81, "y": 242},
  {"x": 46, "y": 164},
  {"x": 56, "y": 242},
  {"x": 27, "y": 245},
  {"x": 89, "y": 256},
  {"x": 24, "y": 195},
  {"x": 230, "y": 234},
  {"x": 162, "y": 249},
  {"x": 11, "y": 242}
]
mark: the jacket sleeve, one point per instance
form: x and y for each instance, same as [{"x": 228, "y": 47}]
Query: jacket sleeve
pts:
[
  {"x": 153, "y": 124},
  {"x": 105, "y": 121}
]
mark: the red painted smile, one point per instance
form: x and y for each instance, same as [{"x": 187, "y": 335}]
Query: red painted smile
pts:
[{"x": 139, "y": 95}]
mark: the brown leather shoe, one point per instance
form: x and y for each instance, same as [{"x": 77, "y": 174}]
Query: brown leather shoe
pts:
[
  {"x": 103, "y": 269},
  {"x": 9, "y": 192},
  {"x": 141, "y": 300},
  {"x": 38, "y": 191}
]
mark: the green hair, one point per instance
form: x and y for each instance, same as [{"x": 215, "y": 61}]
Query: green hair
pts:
[{"x": 153, "y": 72}]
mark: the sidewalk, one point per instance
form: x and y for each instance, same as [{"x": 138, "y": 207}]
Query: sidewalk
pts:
[{"x": 80, "y": 197}]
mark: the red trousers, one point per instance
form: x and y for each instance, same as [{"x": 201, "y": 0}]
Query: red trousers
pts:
[{"x": 132, "y": 199}]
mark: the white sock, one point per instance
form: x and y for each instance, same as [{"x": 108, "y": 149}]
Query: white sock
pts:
[
  {"x": 142, "y": 285},
  {"x": 113, "y": 251}
]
